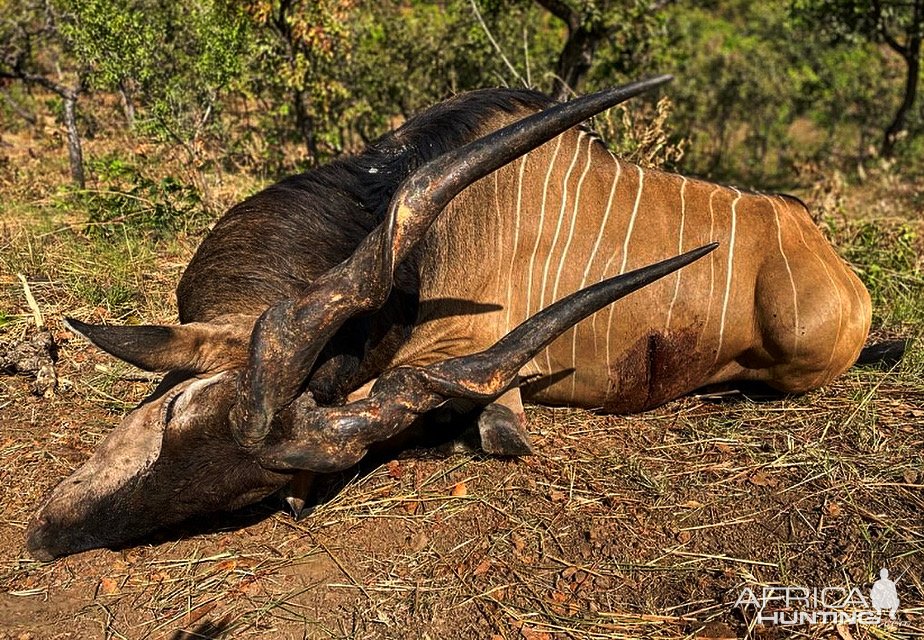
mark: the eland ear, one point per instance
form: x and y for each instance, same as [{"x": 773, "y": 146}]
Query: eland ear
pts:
[{"x": 196, "y": 347}]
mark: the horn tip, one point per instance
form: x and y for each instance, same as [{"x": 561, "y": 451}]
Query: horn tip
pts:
[
  {"x": 706, "y": 249},
  {"x": 76, "y": 326}
]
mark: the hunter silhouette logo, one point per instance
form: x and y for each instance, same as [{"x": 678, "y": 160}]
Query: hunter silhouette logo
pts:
[{"x": 884, "y": 595}]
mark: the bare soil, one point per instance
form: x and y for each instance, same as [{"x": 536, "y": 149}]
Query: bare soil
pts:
[{"x": 618, "y": 527}]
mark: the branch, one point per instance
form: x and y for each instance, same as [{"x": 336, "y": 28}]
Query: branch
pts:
[
  {"x": 497, "y": 47},
  {"x": 880, "y": 26},
  {"x": 893, "y": 43},
  {"x": 19, "y": 73},
  {"x": 561, "y": 10}
]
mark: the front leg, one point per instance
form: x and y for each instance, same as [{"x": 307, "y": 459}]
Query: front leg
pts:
[
  {"x": 502, "y": 426},
  {"x": 296, "y": 493}
]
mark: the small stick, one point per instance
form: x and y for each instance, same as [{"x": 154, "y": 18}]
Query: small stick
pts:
[{"x": 30, "y": 300}]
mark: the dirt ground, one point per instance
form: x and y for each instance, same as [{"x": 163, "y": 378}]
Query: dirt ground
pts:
[{"x": 618, "y": 527}]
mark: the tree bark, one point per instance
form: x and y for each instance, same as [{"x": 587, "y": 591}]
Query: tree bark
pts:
[
  {"x": 911, "y": 53},
  {"x": 575, "y": 60},
  {"x": 69, "y": 96},
  {"x": 913, "y": 71},
  {"x": 128, "y": 105},
  {"x": 305, "y": 124},
  {"x": 577, "y": 55},
  {"x": 74, "y": 149}
]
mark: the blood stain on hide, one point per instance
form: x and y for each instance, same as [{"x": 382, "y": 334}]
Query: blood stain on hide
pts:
[{"x": 655, "y": 369}]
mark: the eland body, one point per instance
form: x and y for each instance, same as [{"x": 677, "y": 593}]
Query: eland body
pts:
[{"x": 457, "y": 258}]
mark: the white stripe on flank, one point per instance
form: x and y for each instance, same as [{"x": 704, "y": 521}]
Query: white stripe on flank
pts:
[
  {"x": 593, "y": 253},
  {"x": 792, "y": 281},
  {"x": 711, "y": 266},
  {"x": 622, "y": 269},
  {"x": 561, "y": 217},
  {"x": 532, "y": 258},
  {"x": 683, "y": 215},
  {"x": 498, "y": 220},
  {"x": 564, "y": 256},
  {"x": 574, "y": 216},
  {"x": 609, "y": 326},
  {"x": 516, "y": 239},
  {"x": 728, "y": 272},
  {"x": 840, "y": 305},
  {"x": 638, "y": 198}
]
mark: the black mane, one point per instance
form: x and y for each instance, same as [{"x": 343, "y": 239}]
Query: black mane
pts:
[{"x": 274, "y": 243}]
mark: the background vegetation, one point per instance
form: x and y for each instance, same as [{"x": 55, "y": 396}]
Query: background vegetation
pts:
[
  {"x": 763, "y": 87},
  {"x": 165, "y": 114}
]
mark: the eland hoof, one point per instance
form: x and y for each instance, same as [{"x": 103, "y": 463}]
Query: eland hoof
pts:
[{"x": 502, "y": 432}]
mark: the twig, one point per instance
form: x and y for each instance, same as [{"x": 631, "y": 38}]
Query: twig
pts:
[
  {"x": 497, "y": 46},
  {"x": 33, "y": 305}
]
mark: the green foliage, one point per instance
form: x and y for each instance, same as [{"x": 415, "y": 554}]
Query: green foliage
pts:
[
  {"x": 129, "y": 201},
  {"x": 762, "y": 89},
  {"x": 408, "y": 57},
  {"x": 851, "y": 20},
  {"x": 886, "y": 257},
  {"x": 898, "y": 24},
  {"x": 178, "y": 59}
]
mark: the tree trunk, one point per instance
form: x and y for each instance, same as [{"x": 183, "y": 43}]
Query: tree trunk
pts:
[
  {"x": 74, "y": 151},
  {"x": 305, "y": 124},
  {"x": 128, "y": 106},
  {"x": 575, "y": 60},
  {"x": 577, "y": 55},
  {"x": 913, "y": 71}
]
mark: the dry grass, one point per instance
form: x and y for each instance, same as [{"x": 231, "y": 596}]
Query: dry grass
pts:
[{"x": 620, "y": 527}]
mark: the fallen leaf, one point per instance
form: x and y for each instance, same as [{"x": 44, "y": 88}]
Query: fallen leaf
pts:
[
  {"x": 833, "y": 510},
  {"x": 394, "y": 469},
  {"x": 418, "y": 541},
  {"x": 692, "y": 504},
  {"x": 226, "y": 565},
  {"x": 716, "y": 631},
  {"x": 518, "y": 543},
  {"x": 763, "y": 479},
  {"x": 108, "y": 586},
  {"x": 531, "y": 633},
  {"x": 844, "y": 632},
  {"x": 483, "y": 567},
  {"x": 198, "y": 613},
  {"x": 459, "y": 490}
]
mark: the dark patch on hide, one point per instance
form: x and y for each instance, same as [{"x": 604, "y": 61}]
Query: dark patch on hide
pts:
[{"x": 655, "y": 369}]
